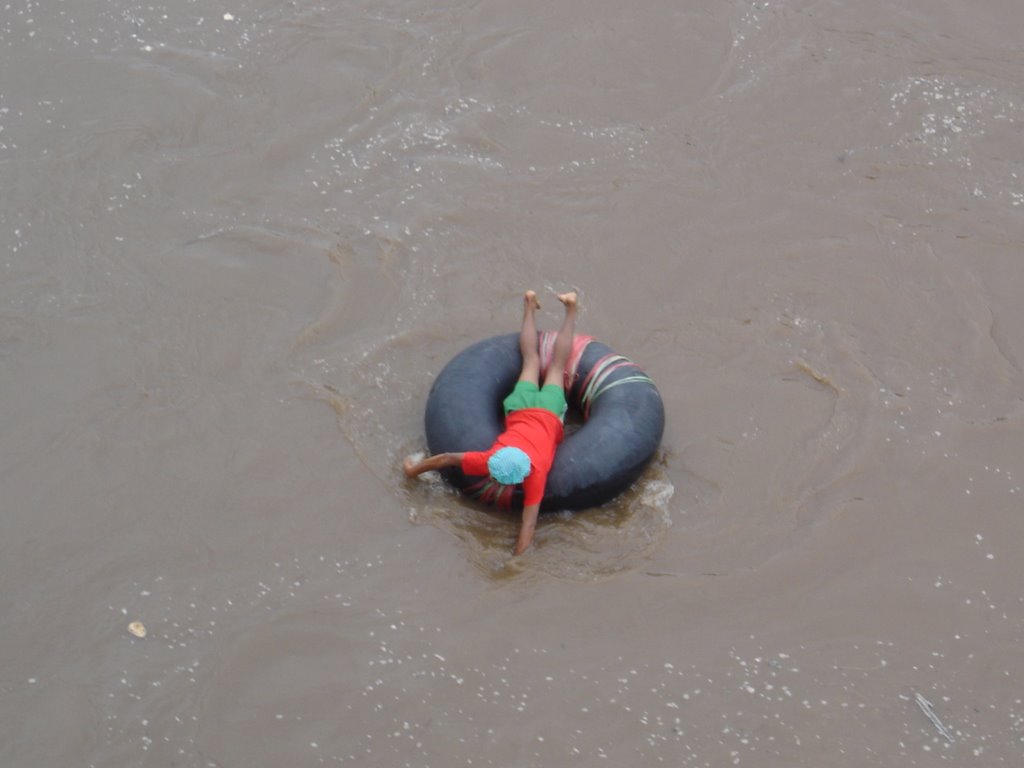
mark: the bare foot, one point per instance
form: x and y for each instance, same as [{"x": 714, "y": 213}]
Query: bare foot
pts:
[
  {"x": 409, "y": 466},
  {"x": 530, "y": 299},
  {"x": 569, "y": 299}
]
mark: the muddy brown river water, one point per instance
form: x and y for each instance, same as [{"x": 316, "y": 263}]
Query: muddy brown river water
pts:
[{"x": 237, "y": 242}]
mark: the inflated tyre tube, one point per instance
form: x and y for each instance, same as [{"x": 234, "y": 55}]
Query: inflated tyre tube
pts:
[{"x": 624, "y": 419}]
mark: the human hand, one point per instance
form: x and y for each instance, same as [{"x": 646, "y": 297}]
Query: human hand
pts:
[{"x": 409, "y": 467}]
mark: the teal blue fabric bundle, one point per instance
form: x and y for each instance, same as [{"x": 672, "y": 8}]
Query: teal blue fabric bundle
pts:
[{"x": 509, "y": 466}]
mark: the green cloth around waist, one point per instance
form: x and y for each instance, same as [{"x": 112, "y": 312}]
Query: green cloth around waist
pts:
[{"x": 526, "y": 394}]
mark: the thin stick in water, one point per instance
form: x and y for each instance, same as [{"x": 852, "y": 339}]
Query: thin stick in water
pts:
[{"x": 929, "y": 712}]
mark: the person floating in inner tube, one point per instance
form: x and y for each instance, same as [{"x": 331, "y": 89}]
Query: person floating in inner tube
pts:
[{"x": 524, "y": 452}]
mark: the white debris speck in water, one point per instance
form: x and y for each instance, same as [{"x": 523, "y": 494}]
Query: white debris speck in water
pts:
[{"x": 229, "y": 17}]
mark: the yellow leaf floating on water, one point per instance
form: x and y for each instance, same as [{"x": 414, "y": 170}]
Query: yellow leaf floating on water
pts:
[{"x": 137, "y": 628}]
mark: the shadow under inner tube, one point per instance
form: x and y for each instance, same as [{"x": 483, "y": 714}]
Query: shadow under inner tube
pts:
[{"x": 623, "y": 411}]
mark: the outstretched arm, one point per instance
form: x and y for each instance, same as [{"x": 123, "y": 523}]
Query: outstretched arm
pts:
[
  {"x": 440, "y": 461},
  {"x": 527, "y": 528}
]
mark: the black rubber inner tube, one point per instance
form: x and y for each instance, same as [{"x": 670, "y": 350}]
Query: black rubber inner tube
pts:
[{"x": 592, "y": 465}]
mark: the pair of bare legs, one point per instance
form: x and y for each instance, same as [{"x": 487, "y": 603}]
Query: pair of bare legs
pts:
[
  {"x": 530, "y": 371},
  {"x": 563, "y": 342}
]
